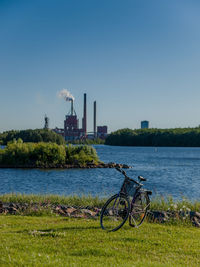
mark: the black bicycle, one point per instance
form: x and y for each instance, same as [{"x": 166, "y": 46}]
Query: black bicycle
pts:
[{"x": 131, "y": 202}]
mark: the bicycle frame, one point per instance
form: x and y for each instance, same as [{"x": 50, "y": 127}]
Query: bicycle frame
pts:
[
  {"x": 138, "y": 189},
  {"x": 131, "y": 202}
]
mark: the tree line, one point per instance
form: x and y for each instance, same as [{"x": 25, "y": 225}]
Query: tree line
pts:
[
  {"x": 96, "y": 141},
  {"x": 186, "y": 137},
  {"x": 35, "y": 136}
]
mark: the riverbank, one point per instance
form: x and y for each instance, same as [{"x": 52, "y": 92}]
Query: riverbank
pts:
[
  {"x": 58, "y": 241},
  {"x": 161, "y": 211}
]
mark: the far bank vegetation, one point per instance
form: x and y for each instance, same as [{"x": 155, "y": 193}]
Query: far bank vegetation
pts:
[
  {"x": 35, "y": 136},
  {"x": 96, "y": 141},
  {"x": 178, "y": 137}
]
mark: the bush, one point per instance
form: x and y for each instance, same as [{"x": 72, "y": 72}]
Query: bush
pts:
[
  {"x": 38, "y": 154},
  {"x": 49, "y": 153},
  {"x": 81, "y": 154},
  {"x": 42, "y": 154}
]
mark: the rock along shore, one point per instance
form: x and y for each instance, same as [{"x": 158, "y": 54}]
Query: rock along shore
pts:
[
  {"x": 89, "y": 165},
  {"x": 92, "y": 212}
]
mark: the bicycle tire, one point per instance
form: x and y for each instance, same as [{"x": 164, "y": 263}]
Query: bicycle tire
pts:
[
  {"x": 114, "y": 213},
  {"x": 139, "y": 209}
]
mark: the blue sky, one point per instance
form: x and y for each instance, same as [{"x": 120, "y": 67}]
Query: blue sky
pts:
[{"x": 139, "y": 59}]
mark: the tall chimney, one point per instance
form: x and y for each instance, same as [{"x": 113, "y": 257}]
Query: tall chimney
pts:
[
  {"x": 85, "y": 115},
  {"x": 72, "y": 107},
  {"x": 95, "y": 119}
]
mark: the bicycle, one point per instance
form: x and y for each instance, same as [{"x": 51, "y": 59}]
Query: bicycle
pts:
[{"x": 131, "y": 202}]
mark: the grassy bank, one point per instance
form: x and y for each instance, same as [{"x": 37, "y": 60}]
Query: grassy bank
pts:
[
  {"x": 157, "y": 203},
  {"x": 56, "y": 241}
]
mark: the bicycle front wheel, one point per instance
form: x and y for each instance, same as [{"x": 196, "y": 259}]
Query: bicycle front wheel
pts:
[
  {"x": 139, "y": 209},
  {"x": 115, "y": 213}
]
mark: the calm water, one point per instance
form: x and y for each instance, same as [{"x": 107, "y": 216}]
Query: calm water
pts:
[{"x": 170, "y": 171}]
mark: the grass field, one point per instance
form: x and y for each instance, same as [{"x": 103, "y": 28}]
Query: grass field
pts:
[{"x": 58, "y": 241}]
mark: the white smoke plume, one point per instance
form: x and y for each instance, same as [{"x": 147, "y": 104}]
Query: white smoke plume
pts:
[{"x": 64, "y": 93}]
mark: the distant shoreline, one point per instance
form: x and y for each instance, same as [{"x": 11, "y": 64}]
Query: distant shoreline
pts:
[{"x": 178, "y": 137}]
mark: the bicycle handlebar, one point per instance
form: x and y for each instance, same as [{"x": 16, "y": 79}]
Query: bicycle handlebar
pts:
[
  {"x": 119, "y": 170},
  {"x": 124, "y": 173}
]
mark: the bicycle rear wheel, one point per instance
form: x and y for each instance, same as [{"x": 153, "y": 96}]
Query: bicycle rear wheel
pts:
[
  {"x": 114, "y": 213},
  {"x": 139, "y": 209}
]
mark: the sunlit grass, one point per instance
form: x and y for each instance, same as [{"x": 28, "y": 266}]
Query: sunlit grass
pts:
[{"x": 57, "y": 241}]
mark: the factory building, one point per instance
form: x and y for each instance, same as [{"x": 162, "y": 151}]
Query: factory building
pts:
[
  {"x": 102, "y": 132},
  {"x": 144, "y": 124},
  {"x": 71, "y": 129},
  {"x": 71, "y": 125}
]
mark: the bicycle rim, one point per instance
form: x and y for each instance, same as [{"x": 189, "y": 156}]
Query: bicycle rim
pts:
[
  {"x": 139, "y": 209},
  {"x": 114, "y": 213}
]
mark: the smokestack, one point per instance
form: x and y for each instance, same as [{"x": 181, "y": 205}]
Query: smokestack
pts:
[
  {"x": 68, "y": 97},
  {"x": 95, "y": 119},
  {"x": 72, "y": 107},
  {"x": 85, "y": 115}
]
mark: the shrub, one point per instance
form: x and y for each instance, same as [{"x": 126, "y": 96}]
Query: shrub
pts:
[
  {"x": 39, "y": 154},
  {"x": 42, "y": 154},
  {"x": 49, "y": 153},
  {"x": 81, "y": 154}
]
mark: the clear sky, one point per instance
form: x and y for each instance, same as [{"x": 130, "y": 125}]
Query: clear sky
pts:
[{"x": 139, "y": 59}]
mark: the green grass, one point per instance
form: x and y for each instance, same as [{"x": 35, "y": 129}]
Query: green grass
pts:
[
  {"x": 72, "y": 200},
  {"x": 157, "y": 203},
  {"x": 168, "y": 203},
  {"x": 57, "y": 241}
]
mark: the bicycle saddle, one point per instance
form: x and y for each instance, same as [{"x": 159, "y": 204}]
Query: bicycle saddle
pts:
[{"x": 141, "y": 178}]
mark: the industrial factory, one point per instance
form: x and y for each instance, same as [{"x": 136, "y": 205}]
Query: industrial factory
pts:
[{"x": 71, "y": 130}]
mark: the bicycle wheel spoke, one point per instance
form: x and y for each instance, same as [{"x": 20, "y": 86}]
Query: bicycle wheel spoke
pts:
[{"x": 139, "y": 209}]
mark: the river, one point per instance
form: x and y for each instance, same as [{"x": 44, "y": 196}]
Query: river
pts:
[{"x": 169, "y": 171}]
